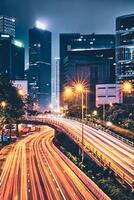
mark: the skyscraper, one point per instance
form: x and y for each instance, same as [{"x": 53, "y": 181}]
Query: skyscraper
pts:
[
  {"x": 12, "y": 58},
  {"x": 39, "y": 76},
  {"x": 125, "y": 48},
  {"x": 18, "y": 60},
  {"x": 7, "y": 25},
  {"x": 91, "y": 67},
  {"x": 89, "y": 57},
  {"x": 55, "y": 86}
]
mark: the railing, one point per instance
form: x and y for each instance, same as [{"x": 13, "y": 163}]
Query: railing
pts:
[
  {"x": 105, "y": 130},
  {"x": 89, "y": 149},
  {"x": 97, "y": 127}
]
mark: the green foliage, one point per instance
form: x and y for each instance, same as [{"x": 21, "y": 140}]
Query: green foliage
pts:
[
  {"x": 74, "y": 111},
  {"x": 103, "y": 177},
  {"x": 14, "y": 108},
  {"x": 120, "y": 114}
]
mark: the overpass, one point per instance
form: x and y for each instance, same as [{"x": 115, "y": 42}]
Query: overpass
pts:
[{"x": 105, "y": 149}]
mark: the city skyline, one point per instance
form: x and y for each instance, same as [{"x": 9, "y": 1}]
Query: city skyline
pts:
[
  {"x": 67, "y": 100},
  {"x": 51, "y": 13}
]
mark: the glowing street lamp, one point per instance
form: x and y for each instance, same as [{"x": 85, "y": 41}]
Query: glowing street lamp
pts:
[
  {"x": 127, "y": 87},
  {"x": 21, "y": 92},
  {"x": 68, "y": 92},
  {"x": 111, "y": 104},
  {"x": 3, "y": 104},
  {"x": 95, "y": 113},
  {"x": 80, "y": 89}
]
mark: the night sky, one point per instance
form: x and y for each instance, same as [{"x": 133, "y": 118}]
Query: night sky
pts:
[{"x": 84, "y": 16}]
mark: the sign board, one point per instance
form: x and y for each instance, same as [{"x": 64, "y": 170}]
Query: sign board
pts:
[{"x": 5, "y": 138}]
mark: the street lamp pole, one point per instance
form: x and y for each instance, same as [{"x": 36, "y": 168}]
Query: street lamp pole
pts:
[
  {"x": 82, "y": 117},
  {"x": 86, "y": 104},
  {"x": 82, "y": 123},
  {"x": 104, "y": 110},
  {"x": 80, "y": 89}
]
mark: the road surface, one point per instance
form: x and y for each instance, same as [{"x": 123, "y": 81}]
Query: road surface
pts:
[
  {"x": 110, "y": 150},
  {"x": 35, "y": 170}
]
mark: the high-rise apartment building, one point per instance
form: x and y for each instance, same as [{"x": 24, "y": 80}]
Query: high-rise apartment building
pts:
[
  {"x": 39, "y": 75},
  {"x": 12, "y": 58},
  {"x": 125, "y": 48},
  {"x": 55, "y": 103},
  {"x": 125, "y": 53},
  {"x": 7, "y": 25}
]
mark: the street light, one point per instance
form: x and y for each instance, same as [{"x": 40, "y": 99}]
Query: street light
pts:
[
  {"x": 127, "y": 87},
  {"x": 111, "y": 104},
  {"x": 80, "y": 89},
  {"x": 21, "y": 92},
  {"x": 86, "y": 90},
  {"x": 95, "y": 113},
  {"x": 68, "y": 92},
  {"x": 3, "y": 104}
]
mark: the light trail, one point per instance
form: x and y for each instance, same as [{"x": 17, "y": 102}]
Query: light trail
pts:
[
  {"x": 35, "y": 170},
  {"x": 114, "y": 153}
]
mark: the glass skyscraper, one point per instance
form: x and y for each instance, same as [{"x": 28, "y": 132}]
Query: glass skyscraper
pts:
[
  {"x": 7, "y": 25},
  {"x": 39, "y": 75},
  {"x": 125, "y": 48},
  {"x": 12, "y": 58}
]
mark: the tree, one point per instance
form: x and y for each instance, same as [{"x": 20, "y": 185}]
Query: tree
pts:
[
  {"x": 31, "y": 105},
  {"x": 120, "y": 114},
  {"x": 13, "y": 107}
]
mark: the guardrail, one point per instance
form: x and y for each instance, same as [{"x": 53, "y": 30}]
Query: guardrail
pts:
[
  {"x": 128, "y": 142},
  {"x": 97, "y": 127},
  {"x": 97, "y": 192},
  {"x": 90, "y": 148}
]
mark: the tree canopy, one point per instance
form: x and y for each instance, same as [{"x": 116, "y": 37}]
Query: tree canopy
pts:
[{"x": 13, "y": 107}]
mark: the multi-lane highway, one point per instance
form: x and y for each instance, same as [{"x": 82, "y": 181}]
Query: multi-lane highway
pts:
[
  {"x": 111, "y": 151},
  {"x": 36, "y": 170}
]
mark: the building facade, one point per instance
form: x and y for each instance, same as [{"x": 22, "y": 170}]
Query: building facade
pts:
[
  {"x": 39, "y": 75},
  {"x": 21, "y": 85},
  {"x": 88, "y": 58},
  {"x": 7, "y": 25},
  {"x": 12, "y": 58},
  {"x": 92, "y": 67},
  {"x": 108, "y": 94},
  {"x": 55, "y": 87},
  {"x": 125, "y": 52},
  {"x": 77, "y": 41},
  {"x": 125, "y": 48}
]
